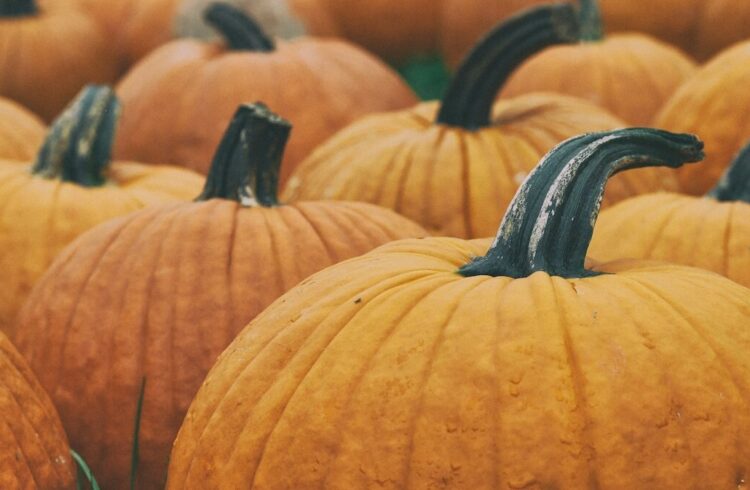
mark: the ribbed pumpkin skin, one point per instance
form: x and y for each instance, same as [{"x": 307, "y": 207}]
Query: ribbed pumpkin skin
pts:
[
  {"x": 305, "y": 81},
  {"x": 680, "y": 229},
  {"x": 443, "y": 178},
  {"x": 39, "y": 216},
  {"x": 48, "y": 58},
  {"x": 34, "y": 452},
  {"x": 410, "y": 376},
  {"x": 629, "y": 75},
  {"x": 21, "y": 132},
  {"x": 159, "y": 294},
  {"x": 712, "y": 104}
]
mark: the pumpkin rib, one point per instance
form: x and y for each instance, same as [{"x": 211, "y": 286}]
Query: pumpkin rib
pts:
[
  {"x": 463, "y": 159},
  {"x": 308, "y": 218}
]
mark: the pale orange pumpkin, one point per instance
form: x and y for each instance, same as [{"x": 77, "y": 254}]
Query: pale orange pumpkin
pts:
[{"x": 21, "y": 132}]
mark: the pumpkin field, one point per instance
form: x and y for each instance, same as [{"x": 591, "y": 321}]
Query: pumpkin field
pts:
[{"x": 374, "y": 244}]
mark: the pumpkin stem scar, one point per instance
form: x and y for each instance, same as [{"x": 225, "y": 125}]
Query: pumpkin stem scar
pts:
[
  {"x": 78, "y": 146},
  {"x": 18, "y": 8},
  {"x": 550, "y": 221},
  {"x": 735, "y": 183},
  {"x": 469, "y": 99},
  {"x": 590, "y": 17},
  {"x": 246, "y": 165},
  {"x": 242, "y": 32}
]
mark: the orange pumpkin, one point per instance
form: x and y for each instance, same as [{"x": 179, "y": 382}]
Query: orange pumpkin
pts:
[
  {"x": 68, "y": 189},
  {"x": 320, "y": 85},
  {"x": 49, "y": 52},
  {"x": 196, "y": 274},
  {"x": 21, "y": 132},
  {"x": 711, "y": 233},
  {"x": 439, "y": 164}
]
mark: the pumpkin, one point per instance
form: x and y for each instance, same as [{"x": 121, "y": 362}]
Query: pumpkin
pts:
[
  {"x": 34, "y": 452},
  {"x": 712, "y": 104},
  {"x": 711, "y": 233},
  {"x": 420, "y": 365},
  {"x": 631, "y": 75},
  {"x": 196, "y": 274},
  {"x": 21, "y": 132},
  {"x": 319, "y": 85},
  {"x": 49, "y": 52},
  {"x": 439, "y": 164},
  {"x": 67, "y": 190}
]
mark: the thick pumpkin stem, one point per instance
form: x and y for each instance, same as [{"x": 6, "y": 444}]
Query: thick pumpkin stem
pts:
[
  {"x": 470, "y": 96},
  {"x": 590, "y": 17},
  {"x": 18, "y": 8},
  {"x": 247, "y": 162},
  {"x": 735, "y": 183},
  {"x": 78, "y": 146},
  {"x": 242, "y": 32},
  {"x": 549, "y": 224}
]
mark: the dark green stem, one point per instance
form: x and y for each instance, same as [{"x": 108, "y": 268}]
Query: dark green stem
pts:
[
  {"x": 470, "y": 96},
  {"x": 18, "y": 8},
  {"x": 242, "y": 32},
  {"x": 735, "y": 183},
  {"x": 590, "y": 17},
  {"x": 78, "y": 146},
  {"x": 246, "y": 166},
  {"x": 549, "y": 224}
]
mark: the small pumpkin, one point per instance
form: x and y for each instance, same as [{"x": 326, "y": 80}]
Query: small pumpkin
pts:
[
  {"x": 68, "y": 189},
  {"x": 631, "y": 75},
  {"x": 160, "y": 293},
  {"x": 49, "y": 51},
  {"x": 439, "y": 164},
  {"x": 711, "y": 232},
  {"x": 21, "y": 132},
  {"x": 319, "y": 85}
]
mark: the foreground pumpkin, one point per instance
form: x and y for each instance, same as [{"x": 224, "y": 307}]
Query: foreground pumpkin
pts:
[
  {"x": 21, "y": 132},
  {"x": 320, "y": 85},
  {"x": 185, "y": 278},
  {"x": 69, "y": 189},
  {"x": 711, "y": 233},
  {"x": 440, "y": 164},
  {"x": 420, "y": 366},
  {"x": 631, "y": 75}
]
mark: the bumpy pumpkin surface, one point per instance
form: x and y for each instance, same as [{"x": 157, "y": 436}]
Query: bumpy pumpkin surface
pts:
[
  {"x": 319, "y": 85},
  {"x": 420, "y": 366},
  {"x": 47, "y": 203},
  {"x": 441, "y": 164},
  {"x": 21, "y": 132},
  {"x": 160, "y": 293}
]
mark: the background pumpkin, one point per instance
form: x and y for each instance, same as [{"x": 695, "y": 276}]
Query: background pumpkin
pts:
[
  {"x": 21, "y": 132},
  {"x": 441, "y": 164},
  {"x": 160, "y": 293},
  {"x": 67, "y": 190}
]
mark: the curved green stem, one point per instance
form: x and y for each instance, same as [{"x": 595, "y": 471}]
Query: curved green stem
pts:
[
  {"x": 18, "y": 8},
  {"x": 78, "y": 146},
  {"x": 735, "y": 183},
  {"x": 247, "y": 162},
  {"x": 590, "y": 17},
  {"x": 242, "y": 32},
  {"x": 471, "y": 95},
  {"x": 549, "y": 224}
]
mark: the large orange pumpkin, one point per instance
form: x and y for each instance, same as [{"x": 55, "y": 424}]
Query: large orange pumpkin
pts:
[
  {"x": 49, "y": 51},
  {"x": 712, "y": 233},
  {"x": 319, "y": 85},
  {"x": 21, "y": 132},
  {"x": 440, "y": 164},
  {"x": 160, "y": 293},
  {"x": 68, "y": 189},
  {"x": 420, "y": 366}
]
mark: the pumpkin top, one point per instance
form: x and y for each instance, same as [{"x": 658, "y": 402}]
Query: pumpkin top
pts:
[
  {"x": 469, "y": 99},
  {"x": 590, "y": 17},
  {"x": 735, "y": 183},
  {"x": 78, "y": 146},
  {"x": 550, "y": 221},
  {"x": 241, "y": 32},
  {"x": 18, "y": 8},
  {"x": 247, "y": 162}
]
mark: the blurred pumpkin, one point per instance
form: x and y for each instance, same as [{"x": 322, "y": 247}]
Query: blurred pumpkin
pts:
[
  {"x": 420, "y": 366},
  {"x": 21, "y": 132},
  {"x": 439, "y": 164},
  {"x": 49, "y": 51},
  {"x": 320, "y": 85},
  {"x": 160, "y": 293},
  {"x": 68, "y": 189}
]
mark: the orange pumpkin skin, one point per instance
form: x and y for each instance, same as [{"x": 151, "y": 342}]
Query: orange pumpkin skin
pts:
[
  {"x": 21, "y": 132},
  {"x": 34, "y": 452}
]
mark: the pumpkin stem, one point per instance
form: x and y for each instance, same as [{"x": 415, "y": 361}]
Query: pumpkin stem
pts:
[
  {"x": 549, "y": 224},
  {"x": 242, "y": 32},
  {"x": 735, "y": 183},
  {"x": 470, "y": 96},
  {"x": 18, "y": 8},
  {"x": 78, "y": 146},
  {"x": 590, "y": 17},
  {"x": 246, "y": 166}
]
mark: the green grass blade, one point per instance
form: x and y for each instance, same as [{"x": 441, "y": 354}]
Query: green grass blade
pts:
[
  {"x": 83, "y": 469},
  {"x": 134, "y": 454}
]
